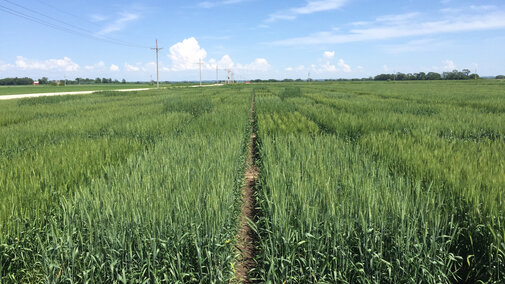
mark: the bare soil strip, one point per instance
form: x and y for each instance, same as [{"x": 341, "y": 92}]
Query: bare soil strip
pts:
[
  {"x": 247, "y": 237},
  {"x": 21, "y": 96}
]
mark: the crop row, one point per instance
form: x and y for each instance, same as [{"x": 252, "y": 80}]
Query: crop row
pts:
[
  {"x": 96, "y": 202},
  {"x": 381, "y": 194}
]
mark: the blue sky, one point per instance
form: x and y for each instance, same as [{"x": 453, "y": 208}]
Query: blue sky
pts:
[{"x": 253, "y": 38}]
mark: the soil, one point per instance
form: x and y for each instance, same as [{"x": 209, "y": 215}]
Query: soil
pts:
[{"x": 247, "y": 237}]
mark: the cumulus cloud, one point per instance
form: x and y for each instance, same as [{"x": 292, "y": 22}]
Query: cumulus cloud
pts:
[
  {"x": 64, "y": 64},
  {"x": 326, "y": 66},
  {"x": 344, "y": 67},
  {"x": 226, "y": 62},
  {"x": 329, "y": 54},
  {"x": 259, "y": 64},
  {"x": 98, "y": 65},
  {"x": 4, "y": 67},
  {"x": 113, "y": 68},
  {"x": 186, "y": 55},
  {"x": 131, "y": 68}
]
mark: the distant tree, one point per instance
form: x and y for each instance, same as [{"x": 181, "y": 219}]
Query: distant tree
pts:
[
  {"x": 501, "y": 77},
  {"x": 123, "y": 81},
  {"x": 433, "y": 76},
  {"x": 420, "y": 76},
  {"x": 98, "y": 80},
  {"x": 16, "y": 81},
  {"x": 400, "y": 76},
  {"x": 466, "y": 72},
  {"x": 384, "y": 77},
  {"x": 43, "y": 80},
  {"x": 104, "y": 81}
]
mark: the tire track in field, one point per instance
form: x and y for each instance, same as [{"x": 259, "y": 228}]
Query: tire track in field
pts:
[{"x": 247, "y": 236}]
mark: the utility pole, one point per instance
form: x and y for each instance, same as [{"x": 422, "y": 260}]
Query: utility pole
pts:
[{"x": 157, "y": 70}]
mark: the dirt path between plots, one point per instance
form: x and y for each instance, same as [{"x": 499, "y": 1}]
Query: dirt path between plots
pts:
[
  {"x": 247, "y": 237},
  {"x": 21, "y": 96}
]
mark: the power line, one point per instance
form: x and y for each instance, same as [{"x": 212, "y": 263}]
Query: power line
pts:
[
  {"x": 69, "y": 28},
  {"x": 66, "y": 12},
  {"x": 49, "y": 17}
]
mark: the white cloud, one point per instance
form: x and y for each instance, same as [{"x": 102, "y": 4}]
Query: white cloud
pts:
[
  {"x": 131, "y": 68},
  {"x": 326, "y": 67},
  {"x": 119, "y": 24},
  {"x": 344, "y": 67},
  {"x": 226, "y": 62},
  {"x": 329, "y": 54},
  {"x": 259, "y": 64},
  {"x": 113, "y": 68},
  {"x": 5, "y": 67},
  {"x": 387, "y": 28},
  {"x": 65, "y": 64},
  {"x": 186, "y": 55},
  {"x": 98, "y": 65},
  {"x": 151, "y": 66},
  {"x": 311, "y": 7}
]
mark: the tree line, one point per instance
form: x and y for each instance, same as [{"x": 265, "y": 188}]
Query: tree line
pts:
[
  {"x": 464, "y": 74},
  {"x": 16, "y": 81},
  {"x": 45, "y": 81}
]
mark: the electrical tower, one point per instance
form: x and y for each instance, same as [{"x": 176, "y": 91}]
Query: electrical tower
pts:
[{"x": 157, "y": 69}]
